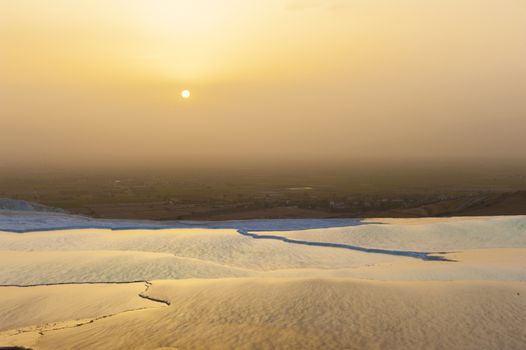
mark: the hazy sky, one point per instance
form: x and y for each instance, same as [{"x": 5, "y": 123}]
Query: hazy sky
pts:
[{"x": 101, "y": 79}]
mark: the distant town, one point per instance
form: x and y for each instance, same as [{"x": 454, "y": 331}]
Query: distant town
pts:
[{"x": 229, "y": 195}]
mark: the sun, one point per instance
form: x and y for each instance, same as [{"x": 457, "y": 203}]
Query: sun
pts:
[{"x": 185, "y": 93}]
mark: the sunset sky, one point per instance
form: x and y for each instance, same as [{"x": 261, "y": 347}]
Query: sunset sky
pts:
[{"x": 82, "y": 81}]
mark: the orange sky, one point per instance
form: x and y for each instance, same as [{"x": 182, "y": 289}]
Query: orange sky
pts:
[{"x": 85, "y": 80}]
